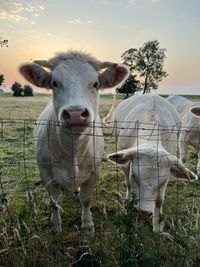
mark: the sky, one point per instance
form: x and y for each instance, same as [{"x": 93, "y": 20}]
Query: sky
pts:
[{"x": 106, "y": 29}]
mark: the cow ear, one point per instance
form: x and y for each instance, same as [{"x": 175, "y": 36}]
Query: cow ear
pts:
[
  {"x": 119, "y": 157},
  {"x": 114, "y": 76},
  {"x": 180, "y": 171},
  {"x": 124, "y": 156},
  {"x": 195, "y": 111},
  {"x": 36, "y": 75}
]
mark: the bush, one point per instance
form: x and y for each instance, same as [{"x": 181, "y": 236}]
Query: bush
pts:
[
  {"x": 28, "y": 91},
  {"x": 17, "y": 89}
]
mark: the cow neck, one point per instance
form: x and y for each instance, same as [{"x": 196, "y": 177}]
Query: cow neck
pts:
[{"x": 150, "y": 136}]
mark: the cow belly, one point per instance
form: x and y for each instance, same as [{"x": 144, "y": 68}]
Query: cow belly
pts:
[{"x": 72, "y": 182}]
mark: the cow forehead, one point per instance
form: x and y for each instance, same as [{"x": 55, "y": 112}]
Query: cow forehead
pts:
[
  {"x": 150, "y": 168},
  {"x": 74, "y": 68}
]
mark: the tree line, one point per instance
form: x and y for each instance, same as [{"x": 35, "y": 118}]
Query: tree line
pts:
[{"x": 18, "y": 89}]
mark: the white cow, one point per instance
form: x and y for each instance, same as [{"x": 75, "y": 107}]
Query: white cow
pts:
[
  {"x": 190, "y": 132},
  {"x": 146, "y": 129},
  {"x": 69, "y": 142},
  {"x": 179, "y": 102}
]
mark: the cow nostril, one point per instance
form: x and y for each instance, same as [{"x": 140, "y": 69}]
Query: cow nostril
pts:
[
  {"x": 85, "y": 114},
  {"x": 66, "y": 114}
]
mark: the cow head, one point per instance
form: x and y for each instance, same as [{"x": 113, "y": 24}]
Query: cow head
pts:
[
  {"x": 151, "y": 168},
  {"x": 75, "y": 81}
]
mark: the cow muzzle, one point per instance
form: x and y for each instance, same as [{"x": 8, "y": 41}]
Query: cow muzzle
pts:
[{"x": 75, "y": 115}]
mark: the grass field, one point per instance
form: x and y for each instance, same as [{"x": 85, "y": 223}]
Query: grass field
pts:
[{"x": 120, "y": 238}]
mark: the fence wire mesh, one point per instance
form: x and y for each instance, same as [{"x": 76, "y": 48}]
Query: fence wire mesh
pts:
[{"x": 121, "y": 236}]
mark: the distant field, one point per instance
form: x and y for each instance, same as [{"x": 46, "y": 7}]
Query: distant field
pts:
[
  {"x": 120, "y": 239},
  {"x": 122, "y": 96},
  {"x": 30, "y": 107},
  {"x": 105, "y": 96}
]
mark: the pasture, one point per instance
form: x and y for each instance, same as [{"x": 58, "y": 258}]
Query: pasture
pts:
[{"x": 120, "y": 238}]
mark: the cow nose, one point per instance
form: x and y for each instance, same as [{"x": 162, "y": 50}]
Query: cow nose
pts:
[{"x": 76, "y": 115}]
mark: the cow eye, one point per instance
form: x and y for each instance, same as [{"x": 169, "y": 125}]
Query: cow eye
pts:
[
  {"x": 96, "y": 85},
  {"x": 54, "y": 83}
]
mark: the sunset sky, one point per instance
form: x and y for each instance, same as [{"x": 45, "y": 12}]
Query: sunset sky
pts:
[{"x": 105, "y": 28}]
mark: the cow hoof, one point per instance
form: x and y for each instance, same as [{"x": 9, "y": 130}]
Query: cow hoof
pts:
[
  {"x": 57, "y": 230},
  {"x": 166, "y": 237}
]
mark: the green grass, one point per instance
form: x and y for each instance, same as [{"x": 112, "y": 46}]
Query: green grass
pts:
[{"x": 120, "y": 238}]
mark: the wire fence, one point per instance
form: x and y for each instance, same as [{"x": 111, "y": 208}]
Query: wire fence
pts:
[{"x": 121, "y": 237}]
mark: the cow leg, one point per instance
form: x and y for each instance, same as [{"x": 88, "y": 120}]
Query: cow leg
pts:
[
  {"x": 54, "y": 200},
  {"x": 198, "y": 164},
  {"x": 85, "y": 197},
  {"x": 158, "y": 222},
  {"x": 183, "y": 148}
]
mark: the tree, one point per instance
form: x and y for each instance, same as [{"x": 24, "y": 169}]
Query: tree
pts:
[
  {"x": 28, "y": 90},
  {"x": 130, "y": 86},
  {"x": 1, "y": 79},
  {"x": 17, "y": 89},
  {"x": 147, "y": 62}
]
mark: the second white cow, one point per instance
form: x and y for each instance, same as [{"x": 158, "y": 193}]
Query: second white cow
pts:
[
  {"x": 146, "y": 128},
  {"x": 68, "y": 135},
  {"x": 190, "y": 131}
]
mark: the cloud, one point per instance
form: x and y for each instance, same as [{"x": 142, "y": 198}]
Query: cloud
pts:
[
  {"x": 90, "y": 22},
  {"x": 79, "y": 22},
  {"x": 131, "y": 2},
  {"x": 19, "y": 12},
  {"x": 75, "y": 21}
]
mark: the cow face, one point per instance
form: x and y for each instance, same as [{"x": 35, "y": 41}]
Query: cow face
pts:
[
  {"x": 75, "y": 93},
  {"x": 75, "y": 85}
]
